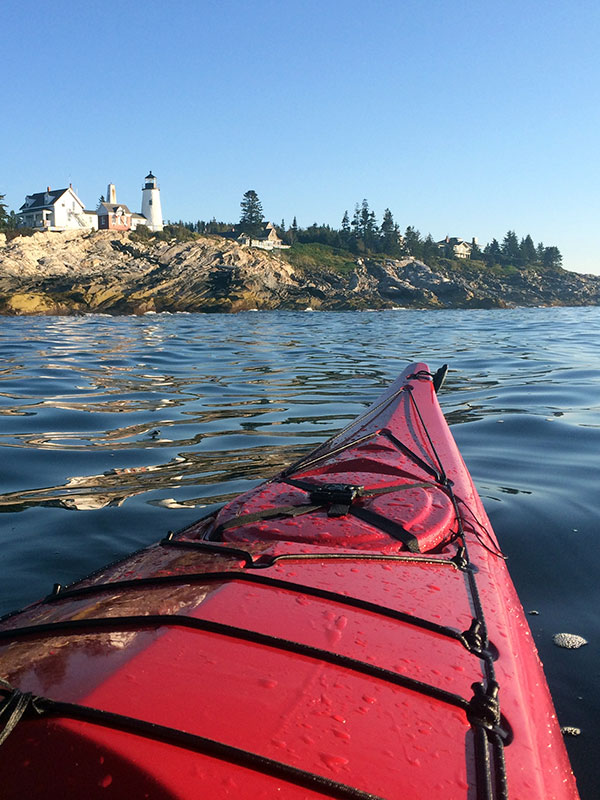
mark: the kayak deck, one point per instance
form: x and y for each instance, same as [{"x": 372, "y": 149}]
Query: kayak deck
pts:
[{"x": 347, "y": 629}]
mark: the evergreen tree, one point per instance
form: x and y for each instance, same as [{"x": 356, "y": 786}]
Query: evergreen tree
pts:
[
  {"x": 4, "y": 215},
  {"x": 539, "y": 252},
  {"x": 476, "y": 254},
  {"x": 528, "y": 252},
  {"x": 511, "y": 251},
  {"x": 552, "y": 258},
  {"x": 251, "y": 220},
  {"x": 356, "y": 242},
  {"x": 413, "y": 244},
  {"x": 291, "y": 236},
  {"x": 344, "y": 236},
  {"x": 390, "y": 235},
  {"x": 368, "y": 230},
  {"x": 429, "y": 250},
  {"x": 492, "y": 253}
]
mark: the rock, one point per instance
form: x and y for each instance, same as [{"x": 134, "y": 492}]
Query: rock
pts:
[
  {"x": 104, "y": 271},
  {"x": 569, "y": 640}
]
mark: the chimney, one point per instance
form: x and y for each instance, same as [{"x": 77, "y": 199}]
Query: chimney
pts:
[{"x": 48, "y": 189}]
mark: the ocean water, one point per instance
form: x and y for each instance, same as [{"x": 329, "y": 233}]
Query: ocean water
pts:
[{"x": 115, "y": 430}]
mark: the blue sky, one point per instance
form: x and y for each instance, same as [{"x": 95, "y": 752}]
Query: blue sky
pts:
[{"x": 464, "y": 118}]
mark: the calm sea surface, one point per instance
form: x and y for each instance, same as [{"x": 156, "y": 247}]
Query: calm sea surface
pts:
[{"x": 115, "y": 430}]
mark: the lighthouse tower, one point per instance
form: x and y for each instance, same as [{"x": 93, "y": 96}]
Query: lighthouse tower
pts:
[{"x": 151, "y": 203}]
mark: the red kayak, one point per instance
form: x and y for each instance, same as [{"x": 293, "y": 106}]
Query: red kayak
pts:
[{"x": 347, "y": 629}]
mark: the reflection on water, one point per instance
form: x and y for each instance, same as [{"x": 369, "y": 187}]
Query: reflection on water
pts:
[{"x": 136, "y": 423}]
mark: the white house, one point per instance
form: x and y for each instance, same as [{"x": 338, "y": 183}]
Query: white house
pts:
[
  {"x": 266, "y": 240},
  {"x": 58, "y": 210},
  {"x": 459, "y": 247}
]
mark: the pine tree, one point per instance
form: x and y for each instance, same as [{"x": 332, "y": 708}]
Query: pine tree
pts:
[
  {"x": 429, "y": 250},
  {"x": 4, "y": 215},
  {"x": 528, "y": 253},
  {"x": 476, "y": 254},
  {"x": 552, "y": 258},
  {"x": 390, "y": 235},
  {"x": 251, "y": 220},
  {"x": 492, "y": 253},
  {"x": 413, "y": 243},
  {"x": 345, "y": 231},
  {"x": 511, "y": 251},
  {"x": 356, "y": 243},
  {"x": 368, "y": 229}
]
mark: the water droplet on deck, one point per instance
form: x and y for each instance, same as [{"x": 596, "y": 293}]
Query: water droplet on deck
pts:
[
  {"x": 333, "y": 761},
  {"x": 341, "y": 734},
  {"x": 279, "y": 743}
]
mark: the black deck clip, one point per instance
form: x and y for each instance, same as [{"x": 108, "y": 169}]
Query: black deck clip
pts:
[{"x": 338, "y": 497}]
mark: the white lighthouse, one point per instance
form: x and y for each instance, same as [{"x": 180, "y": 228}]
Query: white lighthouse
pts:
[{"x": 151, "y": 203}]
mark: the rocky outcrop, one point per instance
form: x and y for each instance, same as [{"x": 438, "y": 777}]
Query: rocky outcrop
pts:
[{"x": 108, "y": 272}]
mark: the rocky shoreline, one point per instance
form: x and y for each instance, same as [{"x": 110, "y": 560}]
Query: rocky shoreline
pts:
[{"x": 112, "y": 273}]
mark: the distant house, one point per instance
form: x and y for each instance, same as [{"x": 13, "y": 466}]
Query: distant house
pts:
[
  {"x": 459, "y": 247},
  {"x": 56, "y": 210},
  {"x": 267, "y": 239}
]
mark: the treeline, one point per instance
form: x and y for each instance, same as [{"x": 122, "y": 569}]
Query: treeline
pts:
[
  {"x": 364, "y": 235},
  {"x": 520, "y": 253}
]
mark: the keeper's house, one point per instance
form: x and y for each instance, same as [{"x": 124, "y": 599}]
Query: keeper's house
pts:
[{"x": 57, "y": 210}]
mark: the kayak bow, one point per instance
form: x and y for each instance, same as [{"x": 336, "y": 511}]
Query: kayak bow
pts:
[{"x": 346, "y": 629}]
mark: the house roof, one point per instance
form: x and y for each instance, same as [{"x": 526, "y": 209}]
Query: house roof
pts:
[
  {"x": 39, "y": 200},
  {"x": 112, "y": 208},
  {"x": 455, "y": 241}
]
